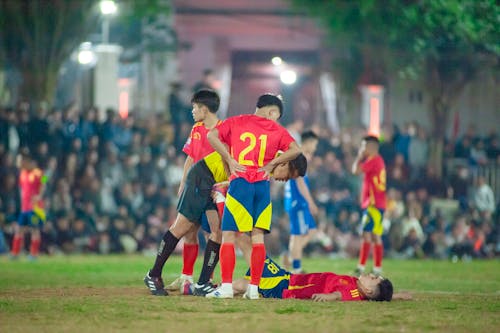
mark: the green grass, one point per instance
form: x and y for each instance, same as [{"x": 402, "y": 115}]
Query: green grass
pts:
[{"x": 106, "y": 294}]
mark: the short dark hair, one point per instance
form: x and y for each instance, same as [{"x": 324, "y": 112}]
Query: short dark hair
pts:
[
  {"x": 385, "y": 291},
  {"x": 270, "y": 99},
  {"x": 299, "y": 164},
  {"x": 308, "y": 135},
  {"x": 371, "y": 138},
  {"x": 207, "y": 97}
]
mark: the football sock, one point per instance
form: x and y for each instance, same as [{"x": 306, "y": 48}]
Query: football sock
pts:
[
  {"x": 227, "y": 262},
  {"x": 297, "y": 265},
  {"x": 257, "y": 263},
  {"x": 167, "y": 246},
  {"x": 189, "y": 255},
  {"x": 378, "y": 253},
  {"x": 364, "y": 252},
  {"x": 17, "y": 243},
  {"x": 209, "y": 261},
  {"x": 35, "y": 246},
  {"x": 220, "y": 209}
]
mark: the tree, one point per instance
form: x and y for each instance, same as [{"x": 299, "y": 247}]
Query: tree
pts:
[
  {"x": 37, "y": 36},
  {"x": 446, "y": 43}
]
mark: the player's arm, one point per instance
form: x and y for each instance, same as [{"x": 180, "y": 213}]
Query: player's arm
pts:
[
  {"x": 292, "y": 152},
  {"x": 304, "y": 191},
  {"x": 332, "y": 297},
  {"x": 216, "y": 143},
  {"x": 187, "y": 165},
  {"x": 356, "y": 165}
]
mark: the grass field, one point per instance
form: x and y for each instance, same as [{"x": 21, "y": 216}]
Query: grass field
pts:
[{"x": 106, "y": 294}]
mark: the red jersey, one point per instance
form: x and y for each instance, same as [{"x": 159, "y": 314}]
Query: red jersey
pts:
[
  {"x": 254, "y": 141},
  {"x": 373, "y": 189},
  {"x": 197, "y": 145},
  {"x": 30, "y": 182},
  {"x": 303, "y": 286}
]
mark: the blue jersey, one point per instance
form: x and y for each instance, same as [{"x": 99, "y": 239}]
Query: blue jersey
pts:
[
  {"x": 274, "y": 279},
  {"x": 293, "y": 198}
]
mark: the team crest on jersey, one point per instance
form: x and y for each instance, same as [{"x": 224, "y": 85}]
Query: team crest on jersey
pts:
[{"x": 197, "y": 136}]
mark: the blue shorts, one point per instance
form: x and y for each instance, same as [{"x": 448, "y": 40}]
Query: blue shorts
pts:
[
  {"x": 30, "y": 219},
  {"x": 301, "y": 221},
  {"x": 248, "y": 206},
  {"x": 372, "y": 220}
]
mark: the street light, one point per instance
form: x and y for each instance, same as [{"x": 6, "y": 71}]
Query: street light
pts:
[
  {"x": 86, "y": 55},
  {"x": 288, "y": 77},
  {"x": 108, "y": 8},
  {"x": 276, "y": 61}
]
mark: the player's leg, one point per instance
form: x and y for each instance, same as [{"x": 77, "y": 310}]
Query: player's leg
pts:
[
  {"x": 37, "y": 220},
  {"x": 376, "y": 236},
  {"x": 170, "y": 239},
  {"x": 211, "y": 257},
  {"x": 300, "y": 223},
  {"x": 189, "y": 254},
  {"x": 366, "y": 243},
  {"x": 227, "y": 265},
  {"x": 237, "y": 217},
  {"x": 19, "y": 230},
  {"x": 262, "y": 218}
]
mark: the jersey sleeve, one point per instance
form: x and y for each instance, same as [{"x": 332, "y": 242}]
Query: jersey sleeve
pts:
[
  {"x": 286, "y": 139},
  {"x": 187, "y": 146},
  {"x": 225, "y": 130}
]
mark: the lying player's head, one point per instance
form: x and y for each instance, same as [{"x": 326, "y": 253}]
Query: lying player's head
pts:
[
  {"x": 372, "y": 143},
  {"x": 291, "y": 169},
  {"x": 272, "y": 105},
  {"x": 375, "y": 288},
  {"x": 205, "y": 100}
]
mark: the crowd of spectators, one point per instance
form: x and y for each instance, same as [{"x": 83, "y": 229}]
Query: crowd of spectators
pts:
[{"x": 112, "y": 186}]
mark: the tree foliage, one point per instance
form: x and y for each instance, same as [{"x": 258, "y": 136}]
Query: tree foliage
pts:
[
  {"x": 37, "y": 36},
  {"x": 446, "y": 43}
]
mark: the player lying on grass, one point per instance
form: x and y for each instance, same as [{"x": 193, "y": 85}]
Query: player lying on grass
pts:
[
  {"x": 193, "y": 202},
  {"x": 276, "y": 282}
]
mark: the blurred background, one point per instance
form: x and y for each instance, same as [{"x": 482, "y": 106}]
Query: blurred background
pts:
[{"x": 99, "y": 92}]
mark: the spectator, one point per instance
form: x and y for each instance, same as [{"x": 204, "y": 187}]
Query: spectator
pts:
[{"x": 483, "y": 198}]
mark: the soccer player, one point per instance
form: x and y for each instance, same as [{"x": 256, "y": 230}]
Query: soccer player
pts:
[
  {"x": 32, "y": 185},
  {"x": 300, "y": 206},
  {"x": 205, "y": 104},
  {"x": 254, "y": 142},
  {"x": 373, "y": 201},
  {"x": 193, "y": 202},
  {"x": 326, "y": 286}
]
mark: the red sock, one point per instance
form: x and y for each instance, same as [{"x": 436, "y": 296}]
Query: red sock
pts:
[
  {"x": 364, "y": 252},
  {"x": 378, "y": 253},
  {"x": 257, "y": 263},
  {"x": 35, "y": 246},
  {"x": 227, "y": 262},
  {"x": 220, "y": 209},
  {"x": 189, "y": 255},
  {"x": 17, "y": 243}
]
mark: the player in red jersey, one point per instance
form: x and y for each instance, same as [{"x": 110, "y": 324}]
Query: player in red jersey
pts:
[
  {"x": 205, "y": 104},
  {"x": 373, "y": 201},
  {"x": 254, "y": 142},
  {"x": 32, "y": 185},
  {"x": 276, "y": 282}
]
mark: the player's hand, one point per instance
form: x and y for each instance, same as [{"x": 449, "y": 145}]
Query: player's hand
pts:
[
  {"x": 267, "y": 169},
  {"x": 313, "y": 209},
  {"x": 235, "y": 167},
  {"x": 319, "y": 297}
]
